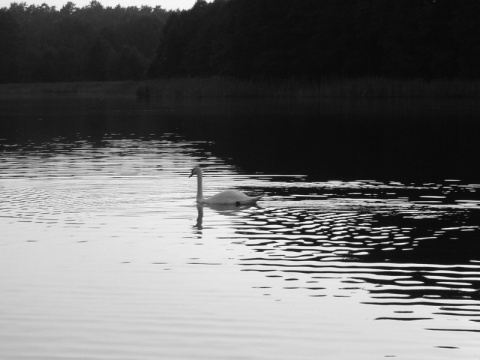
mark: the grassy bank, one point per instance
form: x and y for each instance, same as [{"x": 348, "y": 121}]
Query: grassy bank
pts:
[
  {"x": 225, "y": 87},
  {"x": 81, "y": 89},
  {"x": 338, "y": 88}
]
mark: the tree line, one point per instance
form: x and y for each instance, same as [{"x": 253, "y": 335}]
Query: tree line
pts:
[
  {"x": 254, "y": 39},
  {"x": 314, "y": 39},
  {"x": 44, "y": 44}
]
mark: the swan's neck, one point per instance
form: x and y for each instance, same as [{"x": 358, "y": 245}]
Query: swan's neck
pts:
[{"x": 199, "y": 189}]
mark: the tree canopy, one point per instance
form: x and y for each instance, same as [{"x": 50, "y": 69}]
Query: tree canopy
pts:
[
  {"x": 42, "y": 43},
  {"x": 254, "y": 39},
  {"x": 312, "y": 39}
]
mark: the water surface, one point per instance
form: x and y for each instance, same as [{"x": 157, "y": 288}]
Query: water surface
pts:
[{"x": 105, "y": 255}]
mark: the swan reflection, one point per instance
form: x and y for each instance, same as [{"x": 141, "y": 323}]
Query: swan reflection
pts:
[
  {"x": 224, "y": 209},
  {"x": 199, "y": 224}
]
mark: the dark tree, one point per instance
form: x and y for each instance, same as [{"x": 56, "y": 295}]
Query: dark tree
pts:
[
  {"x": 131, "y": 65},
  {"x": 99, "y": 59},
  {"x": 9, "y": 42},
  {"x": 466, "y": 37}
]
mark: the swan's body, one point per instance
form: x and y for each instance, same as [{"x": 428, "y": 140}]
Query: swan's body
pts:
[{"x": 227, "y": 197}]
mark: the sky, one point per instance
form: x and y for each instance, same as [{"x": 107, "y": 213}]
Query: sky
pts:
[{"x": 166, "y": 4}]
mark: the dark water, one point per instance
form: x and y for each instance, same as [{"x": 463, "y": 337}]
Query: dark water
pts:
[
  {"x": 366, "y": 243},
  {"x": 399, "y": 140}
]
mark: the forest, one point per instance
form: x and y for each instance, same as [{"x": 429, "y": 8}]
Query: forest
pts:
[
  {"x": 45, "y": 44},
  {"x": 316, "y": 39},
  {"x": 306, "y": 40}
]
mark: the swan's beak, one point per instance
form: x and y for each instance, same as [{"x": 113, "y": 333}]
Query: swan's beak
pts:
[{"x": 191, "y": 175}]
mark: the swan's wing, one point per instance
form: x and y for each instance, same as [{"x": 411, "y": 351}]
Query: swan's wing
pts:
[{"x": 230, "y": 197}]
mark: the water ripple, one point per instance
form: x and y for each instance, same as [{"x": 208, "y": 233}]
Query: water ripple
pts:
[
  {"x": 401, "y": 253},
  {"x": 115, "y": 223}
]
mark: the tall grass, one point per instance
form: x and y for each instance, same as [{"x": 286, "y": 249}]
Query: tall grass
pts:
[
  {"x": 80, "y": 89},
  {"x": 222, "y": 87},
  {"x": 331, "y": 88}
]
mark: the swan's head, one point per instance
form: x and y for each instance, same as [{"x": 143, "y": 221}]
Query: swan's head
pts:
[{"x": 196, "y": 171}]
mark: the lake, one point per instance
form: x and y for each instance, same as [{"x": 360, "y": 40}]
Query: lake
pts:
[{"x": 366, "y": 243}]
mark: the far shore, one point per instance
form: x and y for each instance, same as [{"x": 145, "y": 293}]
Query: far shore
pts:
[{"x": 220, "y": 87}]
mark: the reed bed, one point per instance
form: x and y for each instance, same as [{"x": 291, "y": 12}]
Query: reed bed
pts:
[
  {"x": 331, "y": 88},
  {"x": 223, "y": 87}
]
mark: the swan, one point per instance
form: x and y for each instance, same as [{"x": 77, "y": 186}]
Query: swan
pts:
[{"x": 227, "y": 197}]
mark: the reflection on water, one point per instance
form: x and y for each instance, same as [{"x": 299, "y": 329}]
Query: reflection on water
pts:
[
  {"x": 402, "y": 247},
  {"x": 396, "y": 256},
  {"x": 104, "y": 252}
]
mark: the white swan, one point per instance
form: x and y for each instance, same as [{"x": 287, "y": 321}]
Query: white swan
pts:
[{"x": 227, "y": 197}]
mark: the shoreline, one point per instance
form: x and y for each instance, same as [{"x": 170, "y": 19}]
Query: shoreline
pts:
[{"x": 219, "y": 87}]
